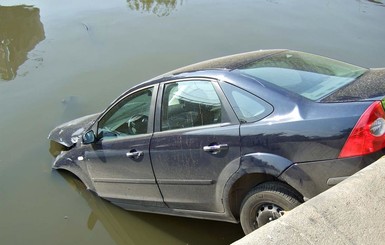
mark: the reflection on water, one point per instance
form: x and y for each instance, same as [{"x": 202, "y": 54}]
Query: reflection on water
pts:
[
  {"x": 20, "y": 31},
  {"x": 77, "y": 78},
  {"x": 127, "y": 227},
  {"x": 158, "y": 7}
]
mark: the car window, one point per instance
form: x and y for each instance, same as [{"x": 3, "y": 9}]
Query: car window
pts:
[
  {"x": 247, "y": 106},
  {"x": 189, "y": 104},
  {"x": 127, "y": 117},
  {"x": 311, "y": 76}
]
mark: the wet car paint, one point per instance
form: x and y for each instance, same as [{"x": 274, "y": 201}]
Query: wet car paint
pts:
[
  {"x": 50, "y": 88},
  {"x": 68, "y": 133},
  {"x": 295, "y": 132}
]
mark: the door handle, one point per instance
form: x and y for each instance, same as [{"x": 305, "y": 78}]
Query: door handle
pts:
[
  {"x": 134, "y": 154},
  {"x": 215, "y": 149}
]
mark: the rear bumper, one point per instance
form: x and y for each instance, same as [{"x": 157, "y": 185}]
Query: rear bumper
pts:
[{"x": 312, "y": 178}]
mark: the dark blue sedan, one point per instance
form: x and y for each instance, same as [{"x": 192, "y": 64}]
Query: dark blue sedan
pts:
[{"x": 239, "y": 138}]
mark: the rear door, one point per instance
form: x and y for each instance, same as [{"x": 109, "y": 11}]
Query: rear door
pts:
[{"x": 196, "y": 144}]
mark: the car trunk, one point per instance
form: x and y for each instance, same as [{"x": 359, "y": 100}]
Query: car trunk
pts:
[{"x": 370, "y": 86}]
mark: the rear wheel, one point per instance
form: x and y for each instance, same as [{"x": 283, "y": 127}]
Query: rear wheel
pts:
[{"x": 266, "y": 202}]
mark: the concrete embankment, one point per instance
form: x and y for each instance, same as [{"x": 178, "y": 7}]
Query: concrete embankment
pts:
[{"x": 352, "y": 212}]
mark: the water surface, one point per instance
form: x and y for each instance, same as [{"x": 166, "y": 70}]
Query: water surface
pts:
[{"x": 63, "y": 59}]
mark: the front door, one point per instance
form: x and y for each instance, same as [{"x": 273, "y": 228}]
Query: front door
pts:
[{"x": 119, "y": 162}]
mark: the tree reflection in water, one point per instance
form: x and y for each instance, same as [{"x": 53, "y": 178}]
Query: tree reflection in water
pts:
[
  {"x": 20, "y": 31},
  {"x": 160, "y": 8}
]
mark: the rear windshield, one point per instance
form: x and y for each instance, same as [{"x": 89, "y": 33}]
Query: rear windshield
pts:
[{"x": 311, "y": 76}]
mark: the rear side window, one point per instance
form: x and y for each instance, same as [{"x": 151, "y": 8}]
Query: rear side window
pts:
[
  {"x": 311, "y": 76},
  {"x": 247, "y": 106}
]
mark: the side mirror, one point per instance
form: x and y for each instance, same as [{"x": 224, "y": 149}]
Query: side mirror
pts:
[{"x": 88, "y": 137}]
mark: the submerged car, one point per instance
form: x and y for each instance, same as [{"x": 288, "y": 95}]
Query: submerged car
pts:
[{"x": 241, "y": 138}]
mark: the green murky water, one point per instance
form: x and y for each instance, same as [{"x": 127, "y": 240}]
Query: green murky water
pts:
[{"x": 63, "y": 59}]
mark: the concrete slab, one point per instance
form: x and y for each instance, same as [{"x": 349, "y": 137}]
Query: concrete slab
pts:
[{"x": 351, "y": 212}]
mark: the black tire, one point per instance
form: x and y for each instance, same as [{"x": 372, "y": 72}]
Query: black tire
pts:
[{"x": 265, "y": 203}]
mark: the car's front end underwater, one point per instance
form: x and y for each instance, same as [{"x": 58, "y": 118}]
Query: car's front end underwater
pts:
[
  {"x": 67, "y": 134},
  {"x": 228, "y": 139},
  {"x": 63, "y": 141}
]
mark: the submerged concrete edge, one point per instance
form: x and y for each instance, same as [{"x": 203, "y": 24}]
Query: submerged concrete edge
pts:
[{"x": 351, "y": 212}]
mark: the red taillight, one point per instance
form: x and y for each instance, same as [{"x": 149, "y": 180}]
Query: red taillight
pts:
[{"x": 369, "y": 133}]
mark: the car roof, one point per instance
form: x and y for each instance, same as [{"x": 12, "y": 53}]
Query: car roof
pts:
[{"x": 227, "y": 62}]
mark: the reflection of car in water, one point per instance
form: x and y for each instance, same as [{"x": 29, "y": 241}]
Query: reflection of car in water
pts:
[
  {"x": 134, "y": 228},
  {"x": 239, "y": 138},
  {"x": 20, "y": 31}
]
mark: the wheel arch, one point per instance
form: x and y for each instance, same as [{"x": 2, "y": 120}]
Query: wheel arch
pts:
[
  {"x": 65, "y": 162},
  {"x": 254, "y": 170},
  {"x": 242, "y": 186},
  {"x": 80, "y": 175}
]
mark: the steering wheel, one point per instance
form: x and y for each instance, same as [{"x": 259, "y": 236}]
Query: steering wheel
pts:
[{"x": 137, "y": 124}]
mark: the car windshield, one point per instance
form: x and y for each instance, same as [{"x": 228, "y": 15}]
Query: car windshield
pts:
[{"x": 311, "y": 76}]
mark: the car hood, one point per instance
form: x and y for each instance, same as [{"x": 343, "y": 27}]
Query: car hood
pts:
[
  {"x": 68, "y": 133},
  {"x": 370, "y": 86}
]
